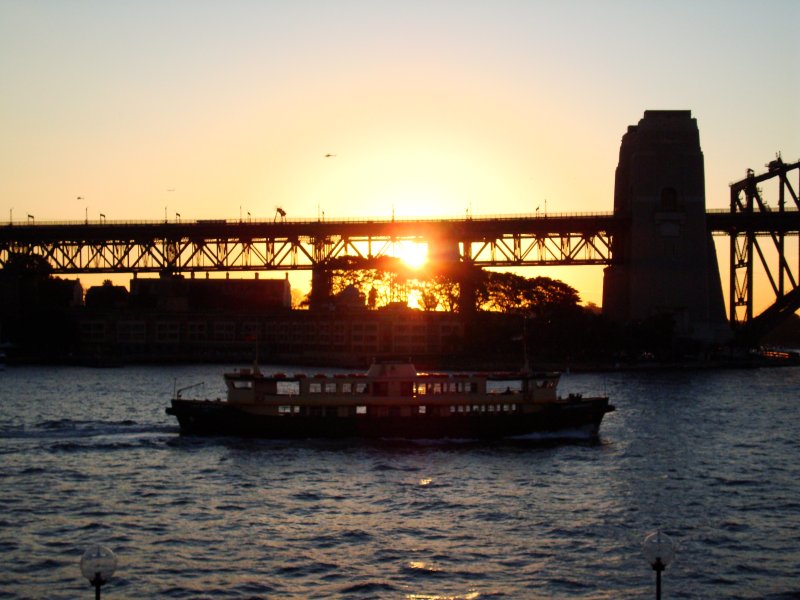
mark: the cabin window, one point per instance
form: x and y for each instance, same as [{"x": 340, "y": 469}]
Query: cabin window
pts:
[
  {"x": 330, "y": 388},
  {"x": 314, "y": 388},
  {"x": 347, "y": 388},
  {"x": 283, "y": 410},
  {"x": 240, "y": 384},
  {"x": 422, "y": 410},
  {"x": 421, "y": 389},
  {"x": 361, "y": 410},
  {"x": 491, "y": 408},
  {"x": 437, "y": 388},
  {"x": 452, "y": 408},
  {"x": 361, "y": 388},
  {"x": 453, "y": 387},
  {"x": 288, "y": 388},
  {"x": 505, "y": 386}
]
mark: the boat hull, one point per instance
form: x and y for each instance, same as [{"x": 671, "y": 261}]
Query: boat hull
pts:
[{"x": 580, "y": 419}]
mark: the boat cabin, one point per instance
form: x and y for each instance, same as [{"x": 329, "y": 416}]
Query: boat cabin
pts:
[{"x": 390, "y": 385}]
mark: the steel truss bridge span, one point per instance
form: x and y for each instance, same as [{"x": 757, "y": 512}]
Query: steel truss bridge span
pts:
[
  {"x": 221, "y": 245},
  {"x": 763, "y": 225}
]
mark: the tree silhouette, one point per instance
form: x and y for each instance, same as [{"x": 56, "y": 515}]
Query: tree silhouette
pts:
[{"x": 513, "y": 294}]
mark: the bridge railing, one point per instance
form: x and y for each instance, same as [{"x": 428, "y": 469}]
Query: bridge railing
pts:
[{"x": 306, "y": 220}]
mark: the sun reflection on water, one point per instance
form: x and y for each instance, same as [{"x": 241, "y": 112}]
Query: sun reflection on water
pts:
[{"x": 468, "y": 596}]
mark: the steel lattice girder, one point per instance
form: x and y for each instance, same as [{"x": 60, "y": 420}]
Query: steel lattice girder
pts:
[
  {"x": 752, "y": 220},
  {"x": 550, "y": 249},
  {"x": 202, "y": 247}
]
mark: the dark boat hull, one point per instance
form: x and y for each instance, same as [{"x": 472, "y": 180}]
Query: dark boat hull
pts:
[{"x": 580, "y": 419}]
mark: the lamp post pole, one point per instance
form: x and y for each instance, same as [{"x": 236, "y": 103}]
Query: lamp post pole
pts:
[
  {"x": 97, "y": 581},
  {"x": 658, "y": 567}
]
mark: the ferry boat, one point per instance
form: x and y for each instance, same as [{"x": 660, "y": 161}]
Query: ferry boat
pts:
[{"x": 391, "y": 400}]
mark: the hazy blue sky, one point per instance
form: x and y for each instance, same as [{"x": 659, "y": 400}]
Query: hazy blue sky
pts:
[{"x": 212, "y": 108}]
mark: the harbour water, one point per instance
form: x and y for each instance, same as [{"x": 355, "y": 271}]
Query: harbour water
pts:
[{"x": 710, "y": 457}]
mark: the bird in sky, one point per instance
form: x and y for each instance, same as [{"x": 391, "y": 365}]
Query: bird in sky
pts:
[{"x": 330, "y": 156}]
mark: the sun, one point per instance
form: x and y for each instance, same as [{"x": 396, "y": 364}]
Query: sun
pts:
[{"x": 413, "y": 254}]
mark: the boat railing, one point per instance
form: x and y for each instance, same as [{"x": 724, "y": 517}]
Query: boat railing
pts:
[{"x": 180, "y": 391}]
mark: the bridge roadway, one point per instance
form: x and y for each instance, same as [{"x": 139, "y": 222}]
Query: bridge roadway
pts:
[{"x": 226, "y": 245}]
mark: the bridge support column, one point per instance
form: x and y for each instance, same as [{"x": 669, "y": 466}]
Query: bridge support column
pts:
[
  {"x": 321, "y": 287},
  {"x": 665, "y": 263}
]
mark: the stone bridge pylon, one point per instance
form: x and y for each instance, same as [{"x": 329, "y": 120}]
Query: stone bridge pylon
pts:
[{"x": 664, "y": 260}]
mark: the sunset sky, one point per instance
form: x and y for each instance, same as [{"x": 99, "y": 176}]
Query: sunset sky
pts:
[{"x": 139, "y": 110}]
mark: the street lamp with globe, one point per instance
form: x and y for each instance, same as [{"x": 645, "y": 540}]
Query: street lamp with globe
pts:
[
  {"x": 98, "y": 564},
  {"x": 659, "y": 550}
]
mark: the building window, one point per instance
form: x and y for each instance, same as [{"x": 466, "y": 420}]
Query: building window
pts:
[
  {"x": 224, "y": 330},
  {"x": 93, "y": 331},
  {"x": 168, "y": 332},
  {"x": 195, "y": 331},
  {"x": 251, "y": 331},
  {"x": 132, "y": 331}
]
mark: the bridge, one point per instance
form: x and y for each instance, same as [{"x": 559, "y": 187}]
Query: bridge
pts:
[
  {"x": 289, "y": 245},
  {"x": 757, "y": 228}
]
